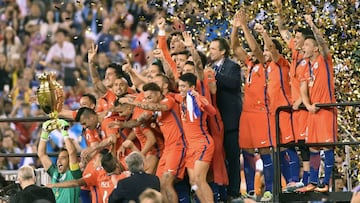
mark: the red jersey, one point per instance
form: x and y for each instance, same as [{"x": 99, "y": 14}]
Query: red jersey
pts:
[
  {"x": 196, "y": 130},
  {"x": 106, "y": 102},
  {"x": 320, "y": 77},
  {"x": 279, "y": 84},
  {"x": 104, "y": 184},
  {"x": 170, "y": 123},
  {"x": 93, "y": 136},
  {"x": 256, "y": 97},
  {"x": 296, "y": 70}
]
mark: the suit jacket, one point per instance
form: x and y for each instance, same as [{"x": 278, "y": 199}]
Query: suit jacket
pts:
[
  {"x": 33, "y": 194},
  {"x": 130, "y": 188},
  {"x": 228, "y": 95}
]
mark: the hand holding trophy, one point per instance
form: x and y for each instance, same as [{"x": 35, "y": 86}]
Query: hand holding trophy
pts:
[{"x": 50, "y": 96}]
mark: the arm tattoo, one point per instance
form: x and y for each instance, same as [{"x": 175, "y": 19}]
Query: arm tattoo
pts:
[{"x": 152, "y": 106}]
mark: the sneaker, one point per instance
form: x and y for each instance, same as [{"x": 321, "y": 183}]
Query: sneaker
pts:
[
  {"x": 291, "y": 187},
  {"x": 308, "y": 188},
  {"x": 267, "y": 196},
  {"x": 322, "y": 188},
  {"x": 251, "y": 195}
]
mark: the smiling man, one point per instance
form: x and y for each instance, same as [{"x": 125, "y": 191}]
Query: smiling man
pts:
[{"x": 67, "y": 166}]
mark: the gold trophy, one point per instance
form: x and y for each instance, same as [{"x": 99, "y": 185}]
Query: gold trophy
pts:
[{"x": 50, "y": 96}]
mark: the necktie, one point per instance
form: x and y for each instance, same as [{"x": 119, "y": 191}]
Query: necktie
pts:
[{"x": 217, "y": 68}]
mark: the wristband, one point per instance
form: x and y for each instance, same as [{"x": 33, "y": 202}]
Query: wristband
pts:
[{"x": 44, "y": 136}]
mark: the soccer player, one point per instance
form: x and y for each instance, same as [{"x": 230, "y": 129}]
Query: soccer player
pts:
[
  {"x": 67, "y": 166},
  {"x": 194, "y": 111},
  {"x": 318, "y": 87},
  {"x": 255, "y": 127}
]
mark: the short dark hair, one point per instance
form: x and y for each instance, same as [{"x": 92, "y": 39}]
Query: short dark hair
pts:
[
  {"x": 191, "y": 63},
  {"x": 151, "y": 87},
  {"x": 223, "y": 45},
  {"x": 91, "y": 97},
  {"x": 120, "y": 73},
  {"x": 165, "y": 78},
  {"x": 277, "y": 45},
  {"x": 311, "y": 37},
  {"x": 305, "y": 31},
  {"x": 61, "y": 30},
  {"x": 84, "y": 111},
  {"x": 189, "y": 78},
  {"x": 159, "y": 64},
  {"x": 108, "y": 161},
  {"x": 171, "y": 35}
]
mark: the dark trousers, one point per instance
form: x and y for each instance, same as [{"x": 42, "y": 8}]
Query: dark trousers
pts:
[{"x": 232, "y": 153}]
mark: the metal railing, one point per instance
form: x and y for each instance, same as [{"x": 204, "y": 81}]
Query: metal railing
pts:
[{"x": 277, "y": 192}]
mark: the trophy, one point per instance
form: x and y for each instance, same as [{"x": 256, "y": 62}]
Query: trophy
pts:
[{"x": 50, "y": 96}]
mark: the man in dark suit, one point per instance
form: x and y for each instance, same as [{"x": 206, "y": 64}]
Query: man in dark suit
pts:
[
  {"x": 228, "y": 81},
  {"x": 30, "y": 191},
  {"x": 130, "y": 188}
]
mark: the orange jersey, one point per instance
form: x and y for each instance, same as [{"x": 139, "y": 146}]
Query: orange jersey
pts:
[
  {"x": 106, "y": 102},
  {"x": 256, "y": 97},
  {"x": 320, "y": 77},
  {"x": 170, "y": 123},
  {"x": 279, "y": 84},
  {"x": 296, "y": 70},
  {"x": 196, "y": 130},
  {"x": 102, "y": 182},
  {"x": 93, "y": 136}
]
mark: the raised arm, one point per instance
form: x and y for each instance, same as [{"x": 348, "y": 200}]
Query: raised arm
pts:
[
  {"x": 324, "y": 48},
  {"x": 137, "y": 79},
  {"x": 284, "y": 32},
  {"x": 70, "y": 147},
  {"x": 235, "y": 44},
  {"x": 268, "y": 42},
  {"x": 162, "y": 44},
  {"x": 254, "y": 46},
  {"x": 188, "y": 42},
  {"x": 95, "y": 77},
  {"x": 44, "y": 137}
]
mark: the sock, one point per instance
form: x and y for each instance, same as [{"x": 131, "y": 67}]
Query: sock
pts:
[
  {"x": 329, "y": 164},
  {"x": 314, "y": 167},
  {"x": 258, "y": 184},
  {"x": 305, "y": 179},
  {"x": 294, "y": 166},
  {"x": 284, "y": 165},
  {"x": 249, "y": 170},
  {"x": 268, "y": 171},
  {"x": 183, "y": 190}
]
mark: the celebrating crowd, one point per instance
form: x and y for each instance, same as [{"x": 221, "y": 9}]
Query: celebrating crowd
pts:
[{"x": 166, "y": 101}]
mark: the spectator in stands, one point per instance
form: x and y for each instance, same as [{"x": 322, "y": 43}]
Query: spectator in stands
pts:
[
  {"x": 30, "y": 191},
  {"x": 49, "y": 27},
  {"x": 9, "y": 146},
  {"x": 11, "y": 43},
  {"x": 61, "y": 55}
]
